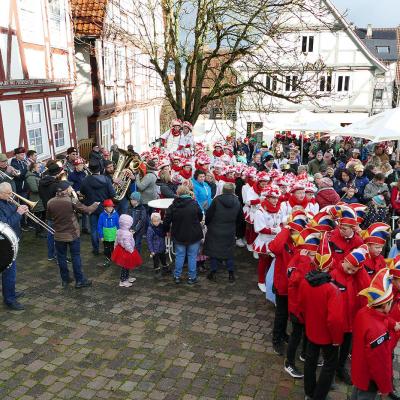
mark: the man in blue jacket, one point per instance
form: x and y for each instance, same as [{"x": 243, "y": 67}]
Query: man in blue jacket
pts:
[{"x": 10, "y": 215}]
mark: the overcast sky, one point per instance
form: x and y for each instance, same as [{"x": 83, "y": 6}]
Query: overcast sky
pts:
[{"x": 381, "y": 14}]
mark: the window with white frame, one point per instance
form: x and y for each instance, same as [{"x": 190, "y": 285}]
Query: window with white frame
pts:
[
  {"x": 35, "y": 126},
  {"x": 59, "y": 122},
  {"x": 378, "y": 94},
  {"x": 30, "y": 14},
  {"x": 307, "y": 44},
  {"x": 325, "y": 83},
  {"x": 55, "y": 15},
  {"x": 108, "y": 66},
  {"x": 271, "y": 83},
  {"x": 343, "y": 83},
  {"x": 291, "y": 82},
  {"x": 106, "y": 133},
  {"x": 121, "y": 64}
]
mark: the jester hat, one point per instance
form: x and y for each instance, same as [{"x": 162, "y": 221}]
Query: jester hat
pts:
[{"x": 380, "y": 290}]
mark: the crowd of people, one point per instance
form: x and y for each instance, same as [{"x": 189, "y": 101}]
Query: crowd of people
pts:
[{"x": 319, "y": 218}]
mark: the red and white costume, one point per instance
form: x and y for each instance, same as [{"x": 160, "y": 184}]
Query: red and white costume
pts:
[
  {"x": 186, "y": 142},
  {"x": 171, "y": 138}
]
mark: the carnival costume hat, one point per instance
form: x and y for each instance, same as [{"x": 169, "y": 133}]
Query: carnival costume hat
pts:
[
  {"x": 297, "y": 220},
  {"x": 394, "y": 266},
  {"x": 176, "y": 122},
  {"x": 310, "y": 188},
  {"x": 344, "y": 215},
  {"x": 358, "y": 256},
  {"x": 263, "y": 176},
  {"x": 376, "y": 233},
  {"x": 360, "y": 210},
  {"x": 309, "y": 239},
  {"x": 380, "y": 290},
  {"x": 272, "y": 191},
  {"x": 300, "y": 185},
  {"x": 188, "y": 125},
  {"x": 324, "y": 257},
  {"x": 322, "y": 222}
]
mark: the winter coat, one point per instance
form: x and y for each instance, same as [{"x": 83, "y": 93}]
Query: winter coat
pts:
[
  {"x": 371, "y": 357},
  {"x": 339, "y": 185},
  {"x": 184, "y": 215},
  {"x": 221, "y": 219},
  {"x": 213, "y": 188},
  {"x": 22, "y": 167},
  {"x": 373, "y": 189},
  {"x": 167, "y": 189},
  {"x": 340, "y": 247},
  {"x": 47, "y": 189},
  {"x": 76, "y": 178},
  {"x": 147, "y": 187},
  {"x": 283, "y": 248},
  {"x": 327, "y": 197},
  {"x": 156, "y": 239},
  {"x": 315, "y": 166},
  {"x": 324, "y": 322},
  {"x": 107, "y": 226},
  {"x": 202, "y": 194},
  {"x": 124, "y": 235},
  {"x": 139, "y": 218},
  {"x": 32, "y": 185},
  {"x": 360, "y": 182},
  {"x": 9, "y": 215},
  {"x": 374, "y": 264},
  {"x": 62, "y": 211},
  {"x": 395, "y": 199},
  {"x": 97, "y": 188},
  {"x": 350, "y": 201},
  {"x": 350, "y": 286},
  {"x": 95, "y": 157}
]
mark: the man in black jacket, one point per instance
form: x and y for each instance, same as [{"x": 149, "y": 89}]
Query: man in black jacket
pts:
[
  {"x": 96, "y": 188},
  {"x": 47, "y": 190}
]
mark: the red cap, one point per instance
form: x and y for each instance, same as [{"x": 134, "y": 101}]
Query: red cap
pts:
[{"x": 108, "y": 203}]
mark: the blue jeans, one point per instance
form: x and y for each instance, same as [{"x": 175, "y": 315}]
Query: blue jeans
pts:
[
  {"x": 191, "y": 251},
  {"x": 214, "y": 264},
  {"x": 8, "y": 278},
  {"x": 75, "y": 249},
  {"x": 94, "y": 219},
  {"x": 51, "y": 250},
  {"x": 85, "y": 219}
]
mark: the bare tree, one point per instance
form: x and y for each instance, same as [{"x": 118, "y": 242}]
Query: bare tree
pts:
[{"x": 212, "y": 50}]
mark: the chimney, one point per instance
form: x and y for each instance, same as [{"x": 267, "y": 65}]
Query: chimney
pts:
[{"x": 369, "y": 31}]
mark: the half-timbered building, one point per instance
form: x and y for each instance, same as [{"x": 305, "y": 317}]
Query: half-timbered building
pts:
[{"x": 36, "y": 76}]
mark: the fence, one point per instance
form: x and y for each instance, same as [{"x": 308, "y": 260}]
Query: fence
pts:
[{"x": 85, "y": 147}]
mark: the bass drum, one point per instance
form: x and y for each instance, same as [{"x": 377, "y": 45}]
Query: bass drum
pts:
[{"x": 8, "y": 246}]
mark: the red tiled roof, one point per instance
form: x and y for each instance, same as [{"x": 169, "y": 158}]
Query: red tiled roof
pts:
[{"x": 88, "y": 16}]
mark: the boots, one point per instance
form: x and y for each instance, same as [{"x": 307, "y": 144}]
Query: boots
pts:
[
  {"x": 231, "y": 276},
  {"x": 212, "y": 276}
]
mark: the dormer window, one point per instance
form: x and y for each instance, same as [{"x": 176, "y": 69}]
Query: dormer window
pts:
[{"x": 383, "y": 49}]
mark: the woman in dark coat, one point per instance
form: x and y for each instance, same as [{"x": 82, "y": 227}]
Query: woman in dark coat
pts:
[
  {"x": 185, "y": 216},
  {"x": 221, "y": 220}
]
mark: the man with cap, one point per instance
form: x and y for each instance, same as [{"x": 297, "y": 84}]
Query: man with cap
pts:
[
  {"x": 323, "y": 323},
  {"x": 72, "y": 156},
  {"x": 360, "y": 181},
  {"x": 19, "y": 163},
  {"x": 351, "y": 277},
  {"x": 10, "y": 215},
  {"x": 96, "y": 188},
  {"x": 374, "y": 329},
  {"x": 62, "y": 211},
  {"x": 317, "y": 164},
  {"x": 7, "y": 172},
  {"x": 96, "y": 156},
  {"x": 47, "y": 190}
]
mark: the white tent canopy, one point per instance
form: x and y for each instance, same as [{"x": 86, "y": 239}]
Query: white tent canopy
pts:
[{"x": 378, "y": 128}]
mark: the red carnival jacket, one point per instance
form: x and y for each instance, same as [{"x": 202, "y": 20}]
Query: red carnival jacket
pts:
[
  {"x": 321, "y": 309},
  {"x": 350, "y": 286},
  {"x": 298, "y": 267},
  {"x": 283, "y": 248},
  {"x": 373, "y": 265},
  {"x": 341, "y": 247},
  {"x": 371, "y": 357}
]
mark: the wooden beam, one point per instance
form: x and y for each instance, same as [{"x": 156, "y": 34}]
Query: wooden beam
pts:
[{"x": 19, "y": 40}]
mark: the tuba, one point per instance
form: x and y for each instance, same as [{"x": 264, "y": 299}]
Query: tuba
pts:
[{"x": 124, "y": 162}]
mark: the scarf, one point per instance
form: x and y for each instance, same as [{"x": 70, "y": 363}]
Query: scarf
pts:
[
  {"x": 185, "y": 174},
  {"x": 267, "y": 206},
  {"x": 176, "y": 168},
  {"x": 294, "y": 202},
  {"x": 218, "y": 153},
  {"x": 175, "y": 132},
  {"x": 257, "y": 188},
  {"x": 216, "y": 176}
]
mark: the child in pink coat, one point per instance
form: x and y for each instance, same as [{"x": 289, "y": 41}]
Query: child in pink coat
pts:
[{"x": 125, "y": 255}]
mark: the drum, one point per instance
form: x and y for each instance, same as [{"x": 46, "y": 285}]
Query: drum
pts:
[{"x": 8, "y": 246}]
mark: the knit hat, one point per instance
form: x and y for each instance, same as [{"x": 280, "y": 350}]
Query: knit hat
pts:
[
  {"x": 135, "y": 196},
  {"x": 108, "y": 203},
  {"x": 325, "y": 182},
  {"x": 3, "y": 157},
  {"x": 379, "y": 200},
  {"x": 376, "y": 233},
  {"x": 380, "y": 290},
  {"x": 358, "y": 256},
  {"x": 151, "y": 166},
  {"x": 297, "y": 220},
  {"x": 309, "y": 239},
  {"x": 62, "y": 185},
  {"x": 300, "y": 185},
  {"x": 176, "y": 122},
  {"x": 272, "y": 191},
  {"x": 107, "y": 163},
  {"x": 324, "y": 257}
]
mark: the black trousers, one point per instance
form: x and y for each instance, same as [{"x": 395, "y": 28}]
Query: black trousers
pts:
[
  {"x": 344, "y": 350},
  {"x": 281, "y": 317},
  {"x": 159, "y": 258},
  {"x": 108, "y": 249},
  {"x": 240, "y": 226},
  {"x": 319, "y": 390},
  {"x": 294, "y": 341}
]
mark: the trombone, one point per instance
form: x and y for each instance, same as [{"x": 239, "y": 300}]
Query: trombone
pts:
[
  {"x": 30, "y": 214},
  {"x": 4, "y": 175}
]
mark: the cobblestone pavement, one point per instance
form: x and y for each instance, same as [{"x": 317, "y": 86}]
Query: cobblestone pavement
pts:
[{"x": 155, "y": 340}]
